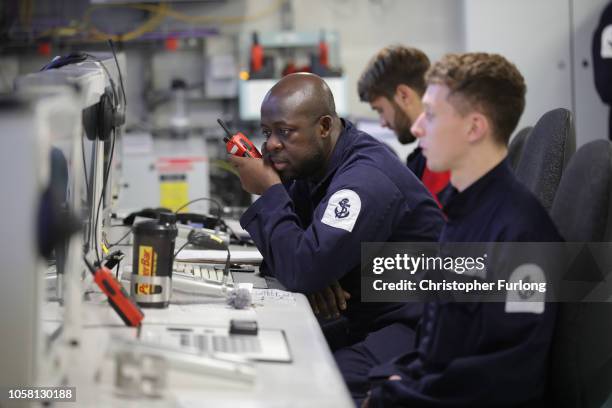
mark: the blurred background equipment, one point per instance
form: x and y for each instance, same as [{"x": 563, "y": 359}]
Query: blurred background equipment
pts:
[
  {"x": 275, "y": 54},
  {"x": 40, "y": 217}
]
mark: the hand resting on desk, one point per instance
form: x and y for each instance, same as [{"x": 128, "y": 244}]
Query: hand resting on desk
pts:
[{"x": 330, "y": 301}]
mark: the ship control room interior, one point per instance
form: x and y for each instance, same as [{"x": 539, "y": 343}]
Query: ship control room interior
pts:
[{"x": 306, "y": 203}]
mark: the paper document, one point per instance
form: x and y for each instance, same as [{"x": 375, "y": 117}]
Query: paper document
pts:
[
  {"x": 263, "y": 296},
  {"x": 250, "y": 256}
]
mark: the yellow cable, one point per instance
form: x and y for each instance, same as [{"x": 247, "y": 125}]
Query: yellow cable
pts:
[
  {"x": 163, "y": 10},
  {"x": 59, "y": 32},
  {"x": 144, "y": 28},
  {"x": 224, "y": 20},
  {"x": 158, "y": 13},
  {"x": 177, "y": 15}
]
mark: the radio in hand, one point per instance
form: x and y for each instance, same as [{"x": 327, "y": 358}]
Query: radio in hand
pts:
[{"x": 239, "y": 144}]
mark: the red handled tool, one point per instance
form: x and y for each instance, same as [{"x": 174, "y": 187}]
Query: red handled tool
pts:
[
  {"x": 257, "y": 55},
  {"x": 239, "y": 144},
  {"x": 118, "y": 298}
]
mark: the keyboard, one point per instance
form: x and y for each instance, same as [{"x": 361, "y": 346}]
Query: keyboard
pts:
[{"x": 200, "y": 271}]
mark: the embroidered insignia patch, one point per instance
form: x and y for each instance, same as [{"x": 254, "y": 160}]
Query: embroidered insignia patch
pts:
[
  {"x": 525, "y": 299},
  {"x": 342, "y": 210}
]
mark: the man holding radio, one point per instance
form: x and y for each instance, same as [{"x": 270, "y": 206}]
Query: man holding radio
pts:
[{"x": 325, "y": 188}]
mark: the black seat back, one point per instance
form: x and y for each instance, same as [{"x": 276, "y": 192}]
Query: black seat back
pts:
[
  {"x": 546, "y": 152},
  {"x": 581, "y": 360},
  {"x": 515, "y": 149}
]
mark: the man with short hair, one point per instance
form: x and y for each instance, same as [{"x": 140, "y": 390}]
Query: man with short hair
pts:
[
  {"x": 475, "y": 353},
  {"x": 325, "y": 188},
  {"x": 393, "y": 84}
]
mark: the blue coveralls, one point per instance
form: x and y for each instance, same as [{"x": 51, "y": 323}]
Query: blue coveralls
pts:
[
  {"x": 476, "y": 354},
  {"x": 310, "y": 233}
]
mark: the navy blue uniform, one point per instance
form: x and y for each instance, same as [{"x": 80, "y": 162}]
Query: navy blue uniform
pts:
[
  {"x": 436, "y": 183},
  {"x": 310, "y": 234},
  {"x": 416, "y": 161},
  {"x": 477, "y": 354}
]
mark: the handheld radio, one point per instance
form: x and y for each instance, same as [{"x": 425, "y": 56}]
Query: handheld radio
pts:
[{"x": 239, "y": 144}]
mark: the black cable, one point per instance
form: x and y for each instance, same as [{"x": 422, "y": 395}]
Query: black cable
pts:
[
  {"x": 231, "y": 231},
  {"x": 180, "y": 249},
  {"x": 219, "y": 208},
  {"x": 90, "y": 200},
  {"x": 110, "y": 78},
  {"x": 114, "y": 136},
  {"x": 104, "y": 183},
  {"x": 226, "y": 267},
  {"x": 84, "y": 164},
  {"x": 237, "y": 239},
  {"x": 112, "y": 46},
  {"x": 107, "y": 172},
  {"x": 120, "y": 239},
  {"x": 87, "y": 203}
]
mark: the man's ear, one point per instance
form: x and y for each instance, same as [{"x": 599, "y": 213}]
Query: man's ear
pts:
[
  {"x": 480, "y": 127},
  {"x": 325, "y": 125},
  {"x": 404, "y": 96}
]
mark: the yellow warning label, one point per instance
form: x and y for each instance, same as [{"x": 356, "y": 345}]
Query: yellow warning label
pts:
[
  {"x": 173, "y": 194},
  {"x": 147, "y": 266}
]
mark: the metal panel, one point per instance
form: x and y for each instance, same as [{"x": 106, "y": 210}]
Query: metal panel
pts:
[{"x": 534, "y": 36}]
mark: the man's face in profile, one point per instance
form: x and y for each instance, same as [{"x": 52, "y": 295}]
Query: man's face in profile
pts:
[
  {"x": 441, "y": 130},
  {"x": 393, "y": 117},
  {"x": 293, "y": 141}
]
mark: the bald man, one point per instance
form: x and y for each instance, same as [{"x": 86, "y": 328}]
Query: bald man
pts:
[{"x": 325, "y": 188}]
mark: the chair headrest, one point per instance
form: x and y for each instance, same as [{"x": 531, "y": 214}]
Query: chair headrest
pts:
[
  {"x": 517, "y": 143},
  {"x": 583, "y": 204},
  {"x": 547, "y": 151}
]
